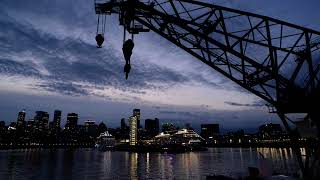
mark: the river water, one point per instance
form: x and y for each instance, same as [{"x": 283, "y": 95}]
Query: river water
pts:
[{"x": 91, "y": 164}]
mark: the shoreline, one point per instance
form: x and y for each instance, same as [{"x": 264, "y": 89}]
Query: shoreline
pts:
[{"x": 146, "y": 148}]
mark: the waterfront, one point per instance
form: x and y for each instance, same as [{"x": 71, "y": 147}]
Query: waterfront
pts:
[{"x": 91, "y": 164}]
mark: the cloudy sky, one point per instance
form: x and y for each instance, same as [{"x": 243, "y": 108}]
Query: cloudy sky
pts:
[{"x": 48, "y": 61}]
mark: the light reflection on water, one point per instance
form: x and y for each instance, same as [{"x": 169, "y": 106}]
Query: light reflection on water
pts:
[{"x": 90, "y": 164}]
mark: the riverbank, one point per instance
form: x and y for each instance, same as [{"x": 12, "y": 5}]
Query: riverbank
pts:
[{"x": 141, "y": 148}]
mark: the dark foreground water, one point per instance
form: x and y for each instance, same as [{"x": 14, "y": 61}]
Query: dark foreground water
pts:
[{"x": 91, "y": 164}]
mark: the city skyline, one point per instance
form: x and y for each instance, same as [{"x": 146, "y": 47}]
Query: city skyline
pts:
[
  {"x": 58, "y": 65},
  {"x": 59, "y": 119}
]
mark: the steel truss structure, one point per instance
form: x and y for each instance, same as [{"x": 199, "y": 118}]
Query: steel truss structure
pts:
[{"x": 275, "y": 60}]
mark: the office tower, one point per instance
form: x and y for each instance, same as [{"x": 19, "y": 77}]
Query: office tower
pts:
[
  {"x": 41, "y": 120},
  {"x": 72, "y": 120},
  {"x": 209, "y": 130},
  {"x": 30, "y": 125},
  {"x": 21, "y": 119},
  {"x": 136, "y": 112},
  {"x": 123, "y": 124},
  {"x": 152, "y": 127},
  {"x": 133, "y": 130},
  {"x": 91, "y": 128},
  {"x": 56, "y": 119}
]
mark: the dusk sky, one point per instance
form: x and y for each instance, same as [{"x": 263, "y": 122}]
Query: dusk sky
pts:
[{"x": 49, "y": 60}]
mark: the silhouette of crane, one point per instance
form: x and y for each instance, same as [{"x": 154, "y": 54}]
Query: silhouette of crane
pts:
[{"x": 275, "y": 60}]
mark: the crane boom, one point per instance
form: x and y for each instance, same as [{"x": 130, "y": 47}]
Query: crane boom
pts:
[{"x": 275, "y": 60}]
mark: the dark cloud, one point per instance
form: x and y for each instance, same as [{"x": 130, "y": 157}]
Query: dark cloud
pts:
[
  {"x": 258, "y": 104},
  {"x": 64, "y": 88}
]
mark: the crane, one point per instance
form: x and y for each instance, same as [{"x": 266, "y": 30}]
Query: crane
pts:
[{"x": 273, "y": 59}]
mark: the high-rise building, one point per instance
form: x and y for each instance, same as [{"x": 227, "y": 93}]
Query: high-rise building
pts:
[
  {"x": 152, "y": 127},
  {"x": 136, "y": 113},
  {"x": 91, "y": 128},
  {"x": 133, "y": 130},
  {"x": 57, "y": 119},
  {"x": 123, "y": 124},
  {"x": 41, "y": 120},
  {"x": 209, "y": 130},
  {"x": 72, "y": 120},
  {"x": 30, "y": 125},
  {"x": 21, "y": 119}
]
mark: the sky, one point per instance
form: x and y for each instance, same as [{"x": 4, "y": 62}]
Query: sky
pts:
[{"x": 49, "y": 60}]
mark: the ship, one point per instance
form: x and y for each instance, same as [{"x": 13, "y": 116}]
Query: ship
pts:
[{"x": 105, "y": 142}]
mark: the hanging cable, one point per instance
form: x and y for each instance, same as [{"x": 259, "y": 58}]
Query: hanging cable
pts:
[
  {"x": 124, "y": 34},
  {"x": 99, "y": 37},
  {"x": 98, "y": 23},
  {"x": 105, "y": 22},
  {"x": 132, "y": 36}
]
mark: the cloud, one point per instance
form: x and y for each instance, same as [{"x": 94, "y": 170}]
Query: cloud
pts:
[
  {"x": 64, "y": 88},
  {"x": 258, "y": 104},
  {"x": 28, "y": 52}
]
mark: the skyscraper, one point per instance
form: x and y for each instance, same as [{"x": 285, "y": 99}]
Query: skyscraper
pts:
[
  {"x": 123, "y": 124},
  {"x": 21, "y": 119},
  {"x": 136, "y": 113},
  {"x": 133, "y": 130},
  {"x": 72, "y": 120},
  {"x": 91, "y": 128},
  {"x": 152, "y": 127},
  {"x": 56, "y": 119},
  {"x": 41, "y": 120}
]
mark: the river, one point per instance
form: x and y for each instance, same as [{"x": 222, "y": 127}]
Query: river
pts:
[{"x": 87, "y": 164}]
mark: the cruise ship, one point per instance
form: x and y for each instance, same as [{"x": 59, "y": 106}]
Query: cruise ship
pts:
[{"x": 105, "y": 142}]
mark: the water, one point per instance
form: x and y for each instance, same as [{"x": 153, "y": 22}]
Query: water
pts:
[{"x": 90, "y": 164}]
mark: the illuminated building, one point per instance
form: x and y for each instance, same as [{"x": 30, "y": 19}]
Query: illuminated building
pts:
[
  {"x": 270, "y": 131},
  {"x": 41, "y": 120},
  {"x": 30, "y": 125},
  {"x": 91, "y": 128},
  {"x": 133, "y": 130},
  {"x": 136, "y": 113},
  {"x": 21, "y": 119},
  {"x": 72, "y": 120},
  {"x": 209, "y": 131},
  {"x": 57, "y": 119}
]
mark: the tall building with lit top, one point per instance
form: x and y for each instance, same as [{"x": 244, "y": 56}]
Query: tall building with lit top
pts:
[
  {"x": 133, "y": 131},
  {"x": 21, "y": 119},
  {"x": 136, "y": 113},
  {"x": 72, "y": 120}
]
